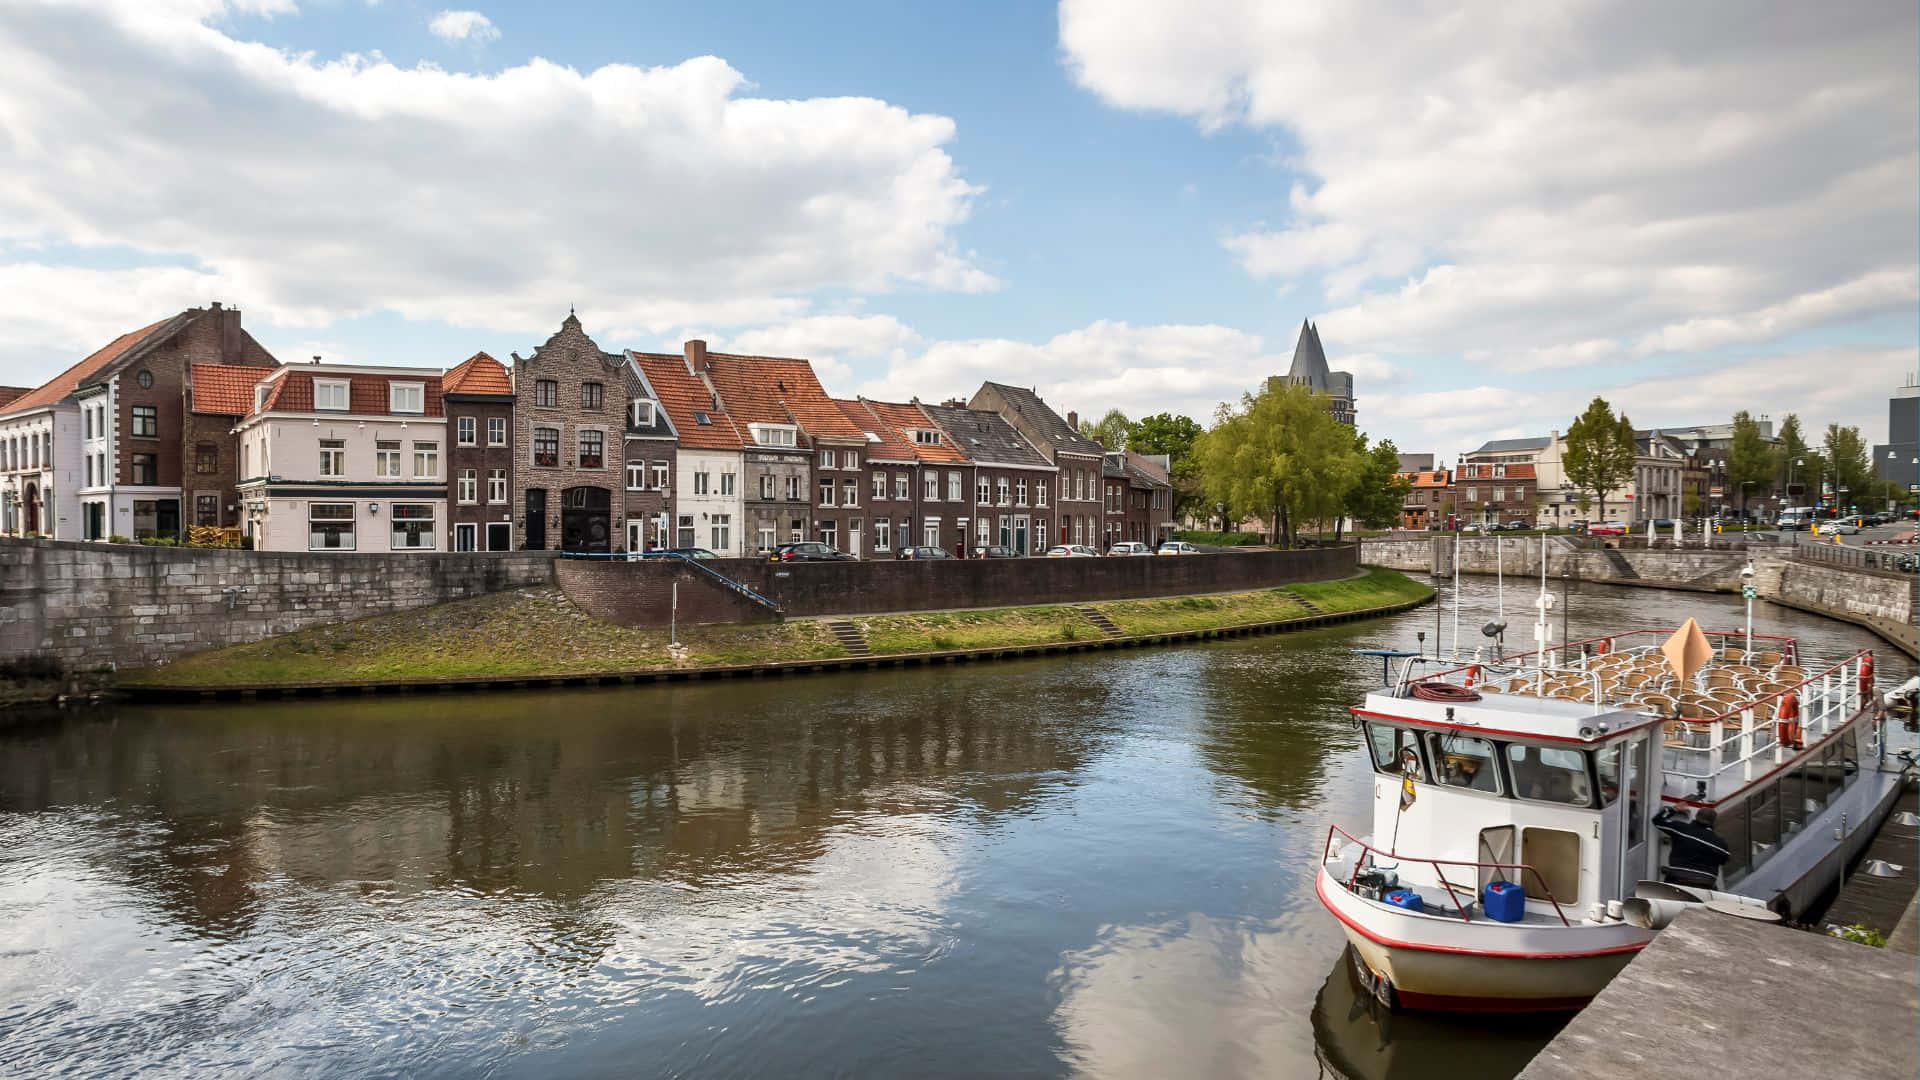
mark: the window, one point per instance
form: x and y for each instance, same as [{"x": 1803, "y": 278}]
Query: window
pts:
[
  {"x": 206, "y": 510},
  {"x": 145, "y": 379},
  {"x": 331, "y": 395},
  {"x": 1020, "y": 498},
  {"x": 659, "y": 476},
  {"x": 1396, "y": 751},
  {"x": 764, "y": 538},
  {"x": 826, "y": 491},
  {"x": 592, "y": 396},
  {"x": 496, "y": 431},
  {"x": 683, "y": 531},
  {"x": 925, "y": 437},
  {"x": 146, "y": 421},
  {"x": 879, "y": 487},
  {"x": 407, "y": 397},
  {"x": 643, "y": 414},
  {"x": 1002, "y": 487},
  {"x": 469, "y": 488},
  {"x": 1473, "y": 493},
  {"x": 955, "y": 488},
  {"x": 546, "y": 446},
  {"x": 726, "y": 483},
  {"x": 412, "y": 526},
  {"x": 701, "y": 482},
  {"x": 882, "y": 535},
  {"x": 983, "y": 491},
  {"x": 722, "y": 532},
  {"x": 426, "y": 460},
  {"x": 260, "y": 397},
  {"x": 766, "y": 486},
  {"x": 982, "y": 532},
  {"x": 330, "y": 526},
  {"x": 1080, "y": 486},
  {"x": 850, "y": 493},
  {"x": 772, "y": 434},
  {"x": 467, "y": 430},
  {"x": 593, "y": 447},
  {"x": 1464, "y": 762},
  {"x": 386, "y": 460},
  {"x": 546, "y": 393},
  {"x": 1039, "y": 493},
  {"x": 206, "y": 458},
  {"x": 90, "y": 480},
  {"x": 497, "y": 486},
  {"x": 798, "y": 531},
  {"x": 930, "y": 486},
  {"x": 1549, "y": 774},
  {"x": 930, "y": 532},
  {"x": 333, "y": 457},
  {"x": 850, "y": 459},
  {"x": 826, "y": 459},
  {"x": 900, "y": 489},
  {"x": 636, "y": 476},
  {"x": 793, "y": 489}
]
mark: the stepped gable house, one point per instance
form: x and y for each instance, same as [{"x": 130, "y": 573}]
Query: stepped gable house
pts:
[
  {"x": 706, "y": 502},
  {"x": 1012, "y": 479},
  {"x": 118, "y": 444},
  {"x": 933, "y": 496},
  {"x": 1080, "y": 512},
  {"x": 1310, "y": 370},
  {"x": 478, "y": 398},
  {"x": 570, "y": 409},
  {"x": 652, "y": 449},
  {"x": 337, "y": 457}
]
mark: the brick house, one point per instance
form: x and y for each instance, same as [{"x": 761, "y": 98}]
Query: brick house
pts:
[
  {"x": 478, "y": 398},
  {"x": 708, "y": 509},
  {"x": 218, "y": 397},
  {"x": 1429, "y": 499},
  {"x": 105, "y": 447},
  {"x": 570, "y": 408},
  {"x": 928, "y": 497},
  {"x": 337, "y": 457},
  {"x": 893, "y": 488},
  {"x": 1013, "y": 481},
  {"x": 652, "y": 453},
  {"x": 1496, "y": 492},
  {"x": 1149, "y": 511},
  {"x": 1080, "y": 513}
]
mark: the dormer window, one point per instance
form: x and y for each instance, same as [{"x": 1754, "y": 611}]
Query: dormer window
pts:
[
  {"x": 330, "y": 395},
  {"x": 260, "y": 397},
  {"x": 925, "y": 437},
  {"x": 643, "y": 414},
  {"x": 774, "y": 434},
  {"x": 407, "y": 397}
]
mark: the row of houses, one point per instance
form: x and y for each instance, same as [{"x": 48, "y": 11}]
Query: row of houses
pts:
[{"x": 191, "y": 422}]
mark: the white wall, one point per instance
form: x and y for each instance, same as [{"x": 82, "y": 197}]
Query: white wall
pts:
[
  {"x": 702, "y": 507},
  {"x": 283, "y": 527}
]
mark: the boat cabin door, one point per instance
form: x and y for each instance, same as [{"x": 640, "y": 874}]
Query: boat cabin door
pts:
[{"x": 1636, "y": 780}]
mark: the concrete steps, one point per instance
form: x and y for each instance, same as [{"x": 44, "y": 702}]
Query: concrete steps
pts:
[
  {"x": 850, "y": 637},
  {"x": 1107, "y": 626},
  {"x": 1305, "y": 603}
]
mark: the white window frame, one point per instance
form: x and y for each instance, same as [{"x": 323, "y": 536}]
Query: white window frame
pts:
[
  {"x": 826, "y": 459},
  {"x": 1020, "y": 493},
  {"x": 879, "y": 487},
  {"x": 1040, "y": 493},
  {"x": 722, "y": 532},
  {"x": 983, "y": 491},
  {"x": 643, "y": 414},
  {"x": 850, "y": 493},
  {"x": 407, "y": 397},
  {"x": 955, "y": 487},
  {"x": 497, "y": 487},
  {"x": 826, "y": 491},
  {"x": 636, "y": 476},
  {"x": 727, "y": 483},
  {"x": 902, "y": 487},
  {"x": 333, "y": 458},
  {"x": 324, "y": 391},
  {"x": 793, "y": 489},
  {"x": 930, "y": 486},
  {"x": 850, "y": 459},
  {"x": 466, "y": 431},
  {"x": 882, "y": 535},
  {"x": 702, "y": 480},
  {"x": 766, "y": 487},
  {"x": 775, "y": 435},
  {"x": 930, "y": 531},
  {"x": 496, "y": 431},
  {"x": 426, "y": 454},
  {"x": 429, "y": 532},
  {"x": 468, "y": 486},
  {"x": 659, "y": 475},
  {"x": 1003, "y": 490},
  {"x": 352, "y": 530}
]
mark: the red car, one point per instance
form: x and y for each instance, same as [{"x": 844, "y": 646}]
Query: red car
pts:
[{"x": 1608, "y": 528}]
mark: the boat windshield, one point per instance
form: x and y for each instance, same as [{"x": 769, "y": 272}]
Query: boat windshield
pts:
[
  {"x": 1549, "y": 774},
  {"x": 1394, "y": 750},
  {"x": 1464, "y": 762}
]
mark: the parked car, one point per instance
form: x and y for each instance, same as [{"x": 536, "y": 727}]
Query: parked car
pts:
[
  {"x": 1881, "y": 518},
  {"x": 1129, "y": 547},
  {"x": 1178, "y": 547},
  {"x": 1665, "y": 525},
  {"x": 1841, "y": 527},
  {"x": 923, "y": 553},
  {"x": 1607, "y": 528},
  {"x": 1072, "y": 551},
  {"x": 808, "y": 551},
  {"x": 1517, "y": 526},
  {"x": 685, "y": 553},
  {"x": 998, "y": 551}
]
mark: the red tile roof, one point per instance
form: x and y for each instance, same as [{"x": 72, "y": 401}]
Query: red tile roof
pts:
[
  {"x": 778, "y": 390},
  {"x": 480, "y": 374},
  {"x": 1428, "y": 478},
  {"x": 903, "y": 419},
  {"x": 225, "y": 389},
  {"x": 683, "y": 395},
  {"x": 890, "y": 447},
  {"x": 366, "y": 396},
  {"x": 69, "y": 380}
]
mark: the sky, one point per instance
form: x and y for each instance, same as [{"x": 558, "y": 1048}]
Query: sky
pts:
[{"x": 1491, "y": 211}]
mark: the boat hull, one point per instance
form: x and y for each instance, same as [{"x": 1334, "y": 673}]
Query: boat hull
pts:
[{"x": 1435, "y": 963}]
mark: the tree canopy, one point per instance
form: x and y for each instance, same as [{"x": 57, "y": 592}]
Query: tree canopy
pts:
[
  {"x": 1111, "y": 431},
  {"x": 1599, "y": 454},
  {"x": 1173, "y": 435},
  {"x": 1751, "y": 463},
  {"x": 1848, "y": 464},
  {"x": 1281, "y": 455}
]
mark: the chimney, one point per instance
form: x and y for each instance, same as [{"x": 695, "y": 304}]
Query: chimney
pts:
[
  {"x": 316, "y": 359},
  {"x": 696, "y": 353},
  {"x": 1073, "y": 420},
  {"x": 954, "y": 403}
]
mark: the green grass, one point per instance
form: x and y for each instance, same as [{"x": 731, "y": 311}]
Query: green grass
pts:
[{"x": 537, "y": 632}]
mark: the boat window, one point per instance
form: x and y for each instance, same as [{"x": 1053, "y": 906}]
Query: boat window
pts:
[
  {"x": 1793, "y": 800},
  {"x": 1823, "y": 776},
  {"x": 1636, "y": 771},
  {"x": 1764, "y": 827},
  {"x": 1849, "y": 755},
  {"x": 1608, "y": 760},
  {"x": 1732, "y": 827},
  {"x": 1555, "y": 854},
  {"x": 1463, "y": 761},
  {"x": 1496, "y": 846},
  {"x": 1549, "y": 774},
  {"x": 1393, "y": 747}
]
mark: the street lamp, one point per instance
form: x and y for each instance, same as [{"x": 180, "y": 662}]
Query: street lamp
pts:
[{"x": 1747, "y": 592}]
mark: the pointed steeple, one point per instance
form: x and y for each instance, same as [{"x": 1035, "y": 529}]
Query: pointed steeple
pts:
[{"x": 1309, "y": 359}]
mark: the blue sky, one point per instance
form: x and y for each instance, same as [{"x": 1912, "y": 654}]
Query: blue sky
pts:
[{"x": 1491, "y": 214}]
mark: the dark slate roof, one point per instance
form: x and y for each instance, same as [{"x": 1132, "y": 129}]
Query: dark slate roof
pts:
[
  {"x": 1050, "y": 425},
  {"x": 639, "y": 389},
  {"x": 1309, "y": 359},
  {"x": 984, "y": 436},
  {"x": 1114, "y": 464},
  {"x": 1501, "y": 446}
]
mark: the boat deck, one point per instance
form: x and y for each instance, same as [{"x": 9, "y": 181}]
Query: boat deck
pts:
[{"x": 1879, "y": 902}]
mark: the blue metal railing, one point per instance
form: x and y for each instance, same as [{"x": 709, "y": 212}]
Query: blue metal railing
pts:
[{"x": 738, "y": 588}]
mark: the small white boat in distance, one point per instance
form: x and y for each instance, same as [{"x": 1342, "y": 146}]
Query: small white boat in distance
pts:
[{"x": 1523, "y": 809}]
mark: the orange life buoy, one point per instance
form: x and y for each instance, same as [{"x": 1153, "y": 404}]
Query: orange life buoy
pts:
[
  {"x": 1473, "y": 675},
  {"x": 1866, "y": 676},
  {"x": 1600, "y": 648},
  {"x": 1787, "y": 721}
]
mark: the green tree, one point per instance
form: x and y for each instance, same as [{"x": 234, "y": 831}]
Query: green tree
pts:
[
  {"x": 1174, "y": 436},
  {"x": 1788, "y": 451},
  {"x": 1111, "y": 431},
  {"x": 1751, "y": 463},
  {"x": 1279, "y": 455},
  {"x": 1599, "y": 454},
  {"x": 1379, "y": 491},
  {"x": 1848, "y": 464}
]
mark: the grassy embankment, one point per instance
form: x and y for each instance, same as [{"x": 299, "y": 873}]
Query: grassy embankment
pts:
[{"x": 538, "y": 632}]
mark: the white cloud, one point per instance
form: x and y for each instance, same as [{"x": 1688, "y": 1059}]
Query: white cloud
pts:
[
  {"x": 313, "y": 190},
  {"x": 1574, "y": 182},
  {"x": 463, "y": 26}
]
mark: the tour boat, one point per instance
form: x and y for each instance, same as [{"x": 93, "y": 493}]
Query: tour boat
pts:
[{"x": 1515, "y": 854}]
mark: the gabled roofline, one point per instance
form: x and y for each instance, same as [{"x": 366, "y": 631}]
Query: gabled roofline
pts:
[{"x": 660, "y": 407}]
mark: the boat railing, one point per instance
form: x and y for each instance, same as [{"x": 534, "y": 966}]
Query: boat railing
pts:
[
  {"x": 1576, "y": 655},
  {"x": 1747, "y": 741},
  {"x": 1439, "y": 865}
]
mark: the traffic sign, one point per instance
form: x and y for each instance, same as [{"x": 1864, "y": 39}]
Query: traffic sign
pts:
[{"x": 1747, "y": 592}]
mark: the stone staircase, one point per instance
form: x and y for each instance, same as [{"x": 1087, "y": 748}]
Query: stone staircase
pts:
[
  {"x": 1107, "y": 626},
  {"x": 849, "y": 637},
  {"x": 1306, "y": 603}
]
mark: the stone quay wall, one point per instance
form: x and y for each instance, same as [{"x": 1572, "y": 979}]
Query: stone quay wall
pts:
[
  {"x": 1689, "y": 568},
  {"x": 637, "y": 593},
  {"x": 87, "y": 604}
]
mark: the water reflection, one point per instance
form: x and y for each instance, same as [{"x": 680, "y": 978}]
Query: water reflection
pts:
[
  {"x": 1355, "y": 1038},
  {"x": 1096, "y": 864}
]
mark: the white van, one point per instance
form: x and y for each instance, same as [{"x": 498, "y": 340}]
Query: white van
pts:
[{"x": 1795, "y": 517}]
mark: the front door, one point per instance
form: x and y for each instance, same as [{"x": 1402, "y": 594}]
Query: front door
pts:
[
  {"x": 853, "y": 537},
  {"x": 586, "y": 519},
  {"x": 827, "y": 533},
  {"x": 499, "y": 536},
  {"x": 1020, "y": 533},
  {"x": 32, "y": 499},
  {"x": 536, "y": 519},
  {"x": 465, "y": 536},
  {"x": 166, "y": 517},
  {"x": 635, "y": 527}
]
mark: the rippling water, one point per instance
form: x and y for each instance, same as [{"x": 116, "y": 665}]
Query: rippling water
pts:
[{"x": 1098, "y": 864}]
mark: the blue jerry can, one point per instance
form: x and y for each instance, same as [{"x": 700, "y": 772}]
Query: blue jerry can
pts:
[
  {"x": 1504, "y": 901},
  {"x": 1405, "y": 898}
]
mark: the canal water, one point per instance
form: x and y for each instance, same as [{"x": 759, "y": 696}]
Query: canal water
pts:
[{"x": 1096, "y": 865}]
